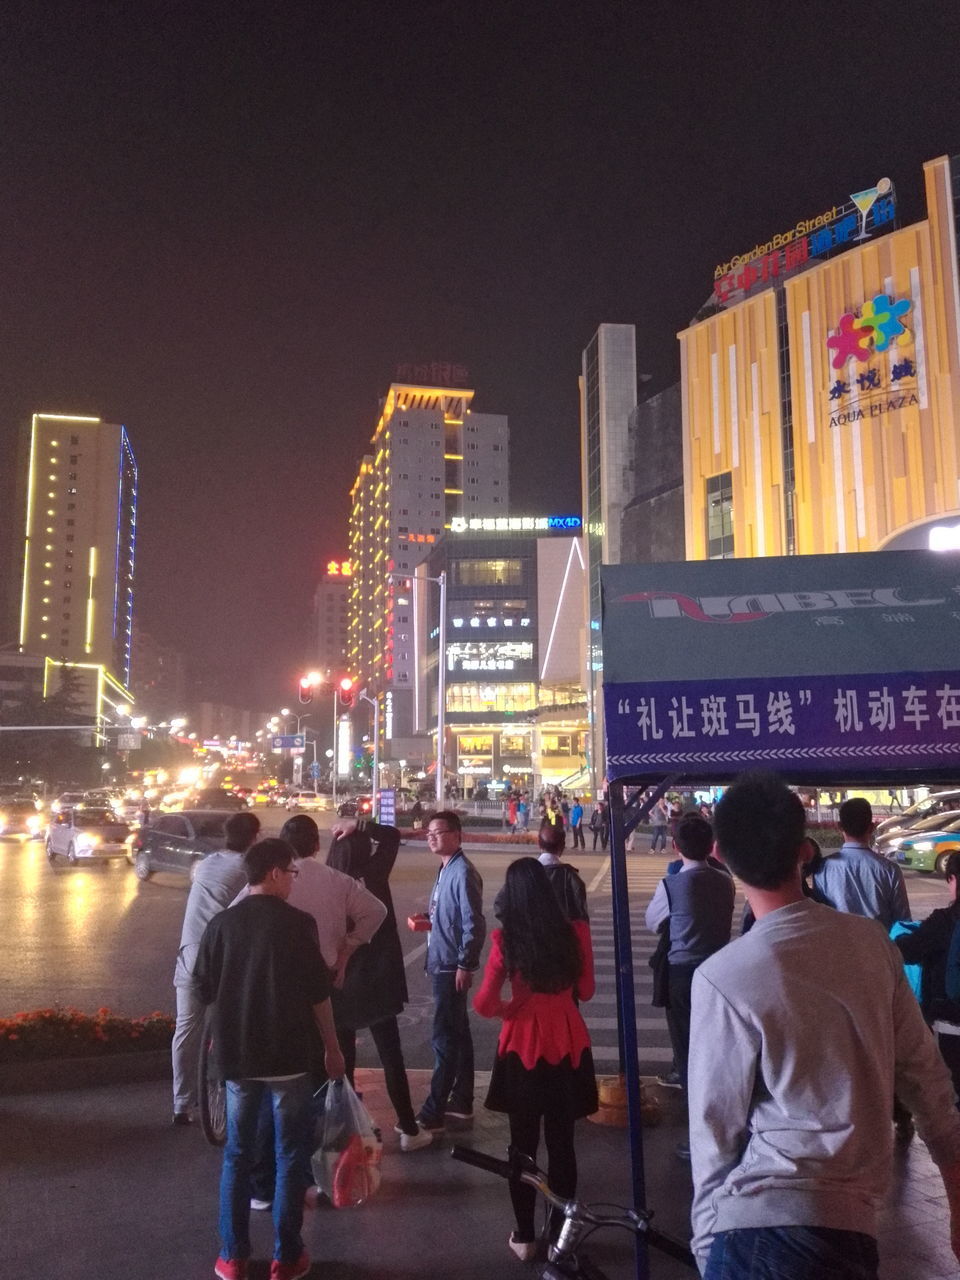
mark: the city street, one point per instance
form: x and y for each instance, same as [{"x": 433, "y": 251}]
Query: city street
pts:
[{"x": 94, "y": 935}]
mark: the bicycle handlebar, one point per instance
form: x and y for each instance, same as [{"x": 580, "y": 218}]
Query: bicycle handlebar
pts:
[{"x": 638, "y": 1222}]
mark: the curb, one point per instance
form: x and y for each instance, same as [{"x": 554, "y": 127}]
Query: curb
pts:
[{"x": 56, "y": 1074}]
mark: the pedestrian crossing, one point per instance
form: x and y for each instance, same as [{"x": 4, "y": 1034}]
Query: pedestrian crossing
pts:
[{"x": 644, "y": 873}]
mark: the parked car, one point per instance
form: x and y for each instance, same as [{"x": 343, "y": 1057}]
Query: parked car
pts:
[
  {"x": 306, "y": 800},
  {"x": 86, "y": 833},
  {"x": 355, "y": 807},
  {"x": 19, "y": 816},
  {"x": 928, "y": 845},
  {"x": 177, "y": 841},
  {"x": 937, "y": 803}
]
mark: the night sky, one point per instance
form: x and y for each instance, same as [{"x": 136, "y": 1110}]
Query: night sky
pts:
[{"x": 225, "y": 225}]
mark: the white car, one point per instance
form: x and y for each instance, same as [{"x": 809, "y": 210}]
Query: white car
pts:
[
  {"x": 84, "y": 834},
  {"x": 68, "y": 800},
  {"x": 307, "y": 800}
]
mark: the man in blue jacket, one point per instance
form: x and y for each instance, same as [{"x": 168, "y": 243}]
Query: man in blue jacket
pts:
[{"x": 457, "y": 931}]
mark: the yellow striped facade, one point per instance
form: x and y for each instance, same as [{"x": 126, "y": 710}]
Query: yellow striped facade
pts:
[{"x": 875, "y": 444}]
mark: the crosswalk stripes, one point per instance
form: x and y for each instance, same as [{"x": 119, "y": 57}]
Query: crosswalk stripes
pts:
[{"x": 644, "y": 873}]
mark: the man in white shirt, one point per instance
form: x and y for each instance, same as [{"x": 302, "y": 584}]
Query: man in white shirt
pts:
[{"x": 811, "y": 1026}]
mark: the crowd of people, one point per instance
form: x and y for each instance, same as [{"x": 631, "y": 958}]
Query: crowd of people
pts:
[
  {"x": 799, "y": 1046},
  {"x": 295, "y": 955}
]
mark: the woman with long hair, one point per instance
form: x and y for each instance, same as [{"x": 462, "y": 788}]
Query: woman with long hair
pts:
[
  {"x": 543, "y": 1072},
  {"x": 375, "y": 986}
]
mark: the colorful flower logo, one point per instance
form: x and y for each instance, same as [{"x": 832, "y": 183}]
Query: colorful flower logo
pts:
[{"x": 878, "y": 327}]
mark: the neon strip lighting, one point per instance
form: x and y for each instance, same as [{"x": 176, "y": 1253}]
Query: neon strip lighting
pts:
[
  {"x": 91, "y": 577},
  {"x": 556, "y": 616},
  {"x": 26, "y": 535},
  {"x": 64, "y": 417}
]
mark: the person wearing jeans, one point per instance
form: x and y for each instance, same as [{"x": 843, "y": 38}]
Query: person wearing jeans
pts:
[
  {"x": 259, "y": 964},
  {"x": 454, "y": 943}
]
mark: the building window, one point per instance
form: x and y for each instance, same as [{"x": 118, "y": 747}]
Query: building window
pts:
[
  {"x": 481, "y": 698},
  {"x": 720, "y": 516},
  {"x": 488, "y": 573},
  {"x": 74, "y": 439}
]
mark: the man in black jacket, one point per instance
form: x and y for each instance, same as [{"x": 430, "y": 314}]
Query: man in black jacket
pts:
[{"x": 260, "y": 965}]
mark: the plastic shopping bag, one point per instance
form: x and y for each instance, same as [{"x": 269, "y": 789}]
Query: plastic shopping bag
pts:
[{"x": 346, "y": 1163}]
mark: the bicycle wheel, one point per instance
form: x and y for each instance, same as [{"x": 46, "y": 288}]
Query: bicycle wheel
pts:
[{"x": 212, "y": 1090}]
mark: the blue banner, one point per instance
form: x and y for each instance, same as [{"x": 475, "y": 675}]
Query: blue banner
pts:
[{"x": 717, "y": 727}]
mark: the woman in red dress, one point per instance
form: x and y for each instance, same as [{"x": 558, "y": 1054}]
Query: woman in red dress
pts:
[{"x": 543, "y": 1072}]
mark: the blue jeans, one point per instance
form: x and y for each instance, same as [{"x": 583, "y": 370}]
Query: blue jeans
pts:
[
  {"x": 291, "y": 1101},
  {"x": 658, "y": 837},
  {"x": 452, "y": 1046},
  {"x": 792, "y": 1253}
]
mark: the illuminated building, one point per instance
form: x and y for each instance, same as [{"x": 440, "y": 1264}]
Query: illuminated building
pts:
[
  {"x": 515, "y": 705},
  {"x": 331, "y": 611},
  {"x": 608, "y": 393},
  {"x": 821, "y": 399},
  {"x": 80, "y": 514},
  {"x": 431, "y": 459}
]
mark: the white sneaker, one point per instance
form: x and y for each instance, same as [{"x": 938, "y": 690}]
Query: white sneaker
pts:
[
  {"x": 414, "y": 1141},
  {"x": 261, "y": 1206}
]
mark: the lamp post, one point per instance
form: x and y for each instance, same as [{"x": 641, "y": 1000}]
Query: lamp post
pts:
[
  {"x": 375, "y": 780},
  {"x": 441, "y": 581},
  {"x": 334, "y": 761}
]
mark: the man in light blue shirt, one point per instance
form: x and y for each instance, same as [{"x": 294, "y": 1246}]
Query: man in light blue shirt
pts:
[{"x": 855, "y": 878}]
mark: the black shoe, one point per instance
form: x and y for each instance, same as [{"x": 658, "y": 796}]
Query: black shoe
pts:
[
  {"x": 181, "y": 1118},
  {"x": 671, "y": 1080}
]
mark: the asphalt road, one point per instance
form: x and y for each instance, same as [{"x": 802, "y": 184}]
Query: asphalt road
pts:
[{"x": 94, "y": 935}]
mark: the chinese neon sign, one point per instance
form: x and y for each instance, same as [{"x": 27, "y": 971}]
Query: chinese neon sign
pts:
[
  {"x": 514, "y": 524},
  {"x": 870, "y": 392},
  {"x": 339, "y": 568},
  {"x": 838, "y": 228}
]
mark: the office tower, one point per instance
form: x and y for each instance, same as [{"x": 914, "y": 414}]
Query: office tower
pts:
[
  {"x": 608, "y": 393},
  {"x": 431, "y": 459},
  {"x": 76, "y": 602}
]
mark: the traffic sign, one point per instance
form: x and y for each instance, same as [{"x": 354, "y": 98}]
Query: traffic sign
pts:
[
  {"x": 388, "y": 807},
  {"x": 314, "y": 769},
  {"x": 291, "y": 741}
]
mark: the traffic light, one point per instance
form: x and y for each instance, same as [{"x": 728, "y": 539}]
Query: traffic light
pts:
[
  {"x": 348, "y": 692},
  {"x": 307, "y": 685}
]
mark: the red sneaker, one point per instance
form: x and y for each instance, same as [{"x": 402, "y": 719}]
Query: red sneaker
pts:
[
  {"x": 290, "y": 1270},
  {"x": 231, "y": 1268}
]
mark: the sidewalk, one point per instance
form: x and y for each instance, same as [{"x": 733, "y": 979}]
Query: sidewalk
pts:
[{"x": 96, "y": 1185}]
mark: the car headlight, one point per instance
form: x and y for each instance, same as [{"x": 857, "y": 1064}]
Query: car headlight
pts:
[
  {"x": 89, "y": 842},
  {"x": 34, "y": 824}
]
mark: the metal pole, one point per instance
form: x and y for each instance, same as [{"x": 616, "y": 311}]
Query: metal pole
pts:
[
  {"x": 333, "y": 758},
  {"x": 441, "y": 684},
  {"x": 628, "y": 1012},
  {"x": 375, "y": 791}
]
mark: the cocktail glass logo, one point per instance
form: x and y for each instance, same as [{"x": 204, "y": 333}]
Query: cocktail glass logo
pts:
[{"x": 878, "y": 327}]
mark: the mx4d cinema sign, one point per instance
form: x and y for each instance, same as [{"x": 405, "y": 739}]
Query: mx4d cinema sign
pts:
[{"x": 873, "y": 359}]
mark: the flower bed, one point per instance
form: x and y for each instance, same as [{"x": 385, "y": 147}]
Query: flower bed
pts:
[{"x": 67, "y": 1033}]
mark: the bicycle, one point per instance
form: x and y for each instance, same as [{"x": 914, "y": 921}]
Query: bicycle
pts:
[
  {"x": 211, "y": 1089},
  {"x": 564, "y": 1259}
]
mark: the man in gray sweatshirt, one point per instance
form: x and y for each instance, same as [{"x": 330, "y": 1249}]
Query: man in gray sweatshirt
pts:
[{"x": 811, "y": 1027}]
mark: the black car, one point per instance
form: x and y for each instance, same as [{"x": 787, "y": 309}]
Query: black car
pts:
[
  {"x": 216, "y": 798},
  {"x": 19, "y": 816},
  {"x": 355, "y": 807},
  {"x": 177, "y": 841}
]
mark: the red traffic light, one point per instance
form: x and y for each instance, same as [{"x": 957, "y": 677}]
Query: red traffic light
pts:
[
  {"x": 348, "y": 690},
  {"x": 308, "y": 683}
]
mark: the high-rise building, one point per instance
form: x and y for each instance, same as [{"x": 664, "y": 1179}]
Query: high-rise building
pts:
[
  {"x": 80, "y": 514},
  {"x": 608, "y": 393},
  {"x": 331, "y": 609},
  {"x": 431, "y": 458}
]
